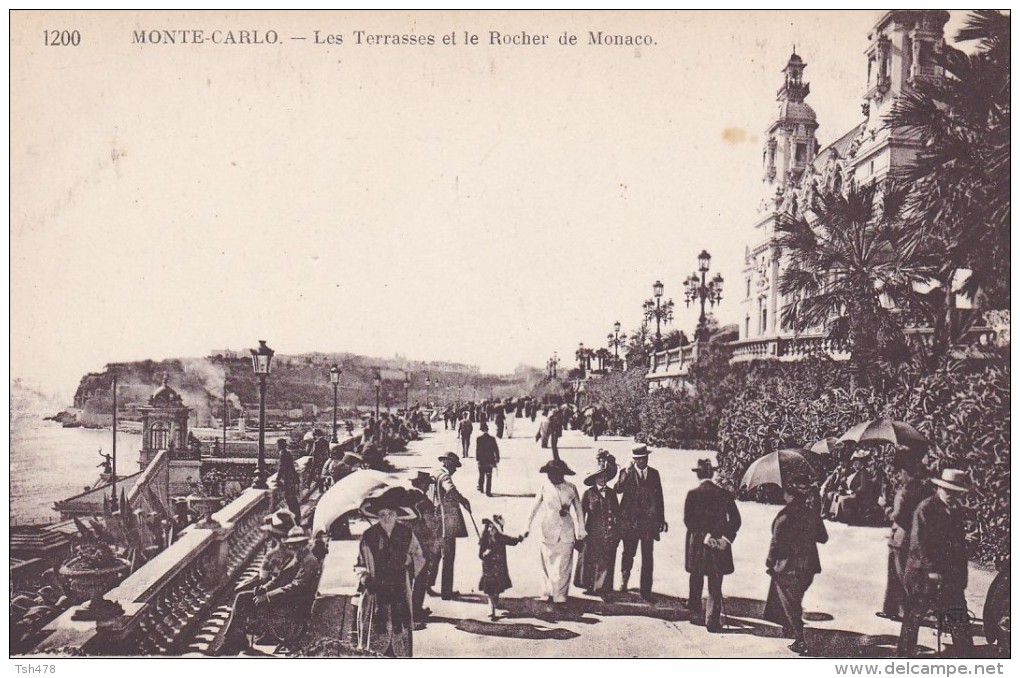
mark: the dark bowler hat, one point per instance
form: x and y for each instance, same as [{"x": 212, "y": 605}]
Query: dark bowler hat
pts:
[
  {"x": 450, "y": 457},
  {"x": 422, "y": 477},
  {"x": 556, "y": 466},
  {"x": 705, "y": 466}
]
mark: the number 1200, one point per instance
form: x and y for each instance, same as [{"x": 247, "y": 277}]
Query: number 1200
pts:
[{"x": 61, "y": 38}]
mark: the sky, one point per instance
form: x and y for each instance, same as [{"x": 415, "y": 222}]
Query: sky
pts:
[{"x": 486, "y": 204}]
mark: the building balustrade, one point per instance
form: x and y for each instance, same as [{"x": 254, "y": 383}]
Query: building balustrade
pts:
[{"x": 166, "y": 598}]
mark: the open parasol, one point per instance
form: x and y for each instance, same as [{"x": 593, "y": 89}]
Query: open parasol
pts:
[
  {"x": 826, "y": 445},
  {"x": 347, "y": 494},
  {"x": 885, "y": 430},
  {"x": 778, "y": 468}
]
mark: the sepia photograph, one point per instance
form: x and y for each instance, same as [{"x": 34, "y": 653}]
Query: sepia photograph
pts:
[{"x": 511, "y": 334}]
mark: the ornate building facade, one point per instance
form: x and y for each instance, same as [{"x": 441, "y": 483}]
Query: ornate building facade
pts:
[{"x": 901, "y": 51}]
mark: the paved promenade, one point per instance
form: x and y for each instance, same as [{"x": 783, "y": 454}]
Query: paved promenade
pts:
[{"x": 840, "y": 606}]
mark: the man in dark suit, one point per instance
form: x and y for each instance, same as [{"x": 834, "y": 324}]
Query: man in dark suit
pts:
[
  {"x": 487, "y": 456},
  {"x": 936, "y": 570},
  {"x": 712, "y": 521},
  {"x": 464, "y": 429},
  {"x": 642, "y": 516}
]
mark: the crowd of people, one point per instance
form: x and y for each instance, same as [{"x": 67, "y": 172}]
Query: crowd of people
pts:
[{"x": 411, "y": 549}]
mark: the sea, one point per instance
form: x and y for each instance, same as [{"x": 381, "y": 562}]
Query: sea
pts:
[{"x": 49, "y": 462}]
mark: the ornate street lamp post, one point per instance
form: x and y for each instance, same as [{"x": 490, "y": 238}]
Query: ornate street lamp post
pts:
[
  {"x": 661, "y": 312},
  {"x": 697, "y": 289},
  {"x": 377, "y": 380},
  {"x": 616, "y": 340},
  {"x": 428, "y": 384},
  {"x": 407, "y": 391},
  {"x": 334, "y": 378},
  {"x": 261, "y": 361}
]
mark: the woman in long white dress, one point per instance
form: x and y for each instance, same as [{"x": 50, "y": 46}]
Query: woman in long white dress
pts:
[{"x": 558, "y": 528}]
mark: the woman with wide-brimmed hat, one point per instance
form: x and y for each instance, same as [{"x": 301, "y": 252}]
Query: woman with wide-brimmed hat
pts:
[
  {"x": 389, "y": 557},
  {"x": 597, "y": 561},
  {"x": 559, "y": 530}
]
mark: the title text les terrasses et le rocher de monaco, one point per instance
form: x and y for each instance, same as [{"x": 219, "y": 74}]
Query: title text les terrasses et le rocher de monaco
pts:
[{"x": 366, "y": 38}]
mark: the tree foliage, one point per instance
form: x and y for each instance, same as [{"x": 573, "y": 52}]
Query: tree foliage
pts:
[{"x": 959, "y": 201}]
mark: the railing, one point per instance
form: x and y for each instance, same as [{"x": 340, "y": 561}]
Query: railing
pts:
[
  {"x": 796, "y": 348},
  {"x": 672, "y": 362},
  {"x": 154, "y": 483},
  {"x": 166, "y": 598}
]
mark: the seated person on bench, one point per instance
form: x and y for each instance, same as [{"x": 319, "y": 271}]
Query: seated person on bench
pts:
[{"x": 277, "y": 609}]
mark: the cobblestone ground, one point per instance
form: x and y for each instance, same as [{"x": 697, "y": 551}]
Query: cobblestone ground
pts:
[{"x": 840, "y": 606}]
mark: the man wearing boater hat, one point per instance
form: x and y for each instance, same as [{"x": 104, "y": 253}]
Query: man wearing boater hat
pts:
[
  {"x": 448, "y": 501},
  {"x": 642, "y": 516},
  {"x": 712, "y": 521},
  {"x": 936, "y": 569}
]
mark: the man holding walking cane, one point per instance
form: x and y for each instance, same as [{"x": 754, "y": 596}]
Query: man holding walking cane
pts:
[{"x": 448, "y": 501}]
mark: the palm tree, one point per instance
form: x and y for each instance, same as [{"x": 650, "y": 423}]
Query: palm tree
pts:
[
  {"x": 851, "y": 262},
  {"x": 639, "y": 346},
  {"x": 604, "y": 356},
  {"x": 959, "y": 202}
]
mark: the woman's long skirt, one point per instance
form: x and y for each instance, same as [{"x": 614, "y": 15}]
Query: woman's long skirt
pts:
[{"x": 557, "y": 562}]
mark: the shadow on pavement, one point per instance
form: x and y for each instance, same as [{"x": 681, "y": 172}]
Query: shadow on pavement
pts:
[
  {"x": 528, "y": 495},
  {"x": 514, "y": 630},
  {"x": 743, "y": 615}
]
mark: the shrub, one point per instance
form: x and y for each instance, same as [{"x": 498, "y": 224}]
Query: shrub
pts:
[
  {"x": 621, "y": 394},
  {"x": 677, "y": 418},
  {"x": 786, "y": 405},
  {"x": 963, "y": 412},
  {"x": 965, "y": 415}
]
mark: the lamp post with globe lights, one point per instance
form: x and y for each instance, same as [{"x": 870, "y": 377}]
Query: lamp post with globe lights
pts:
[
  {"x": 699, "y": 289},
  {"x": 261, "y": 362},
  {"x": 334, "y": 378},
  {"x": 658, "y": 310}
]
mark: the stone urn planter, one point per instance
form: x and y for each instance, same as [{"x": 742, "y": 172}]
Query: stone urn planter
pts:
[{"x": 91, "y": 578}]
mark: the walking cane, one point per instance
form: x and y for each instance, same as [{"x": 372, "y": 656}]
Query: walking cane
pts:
[{"x": 472, "y": 515}]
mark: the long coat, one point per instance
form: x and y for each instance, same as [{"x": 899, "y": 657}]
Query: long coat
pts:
[
  {"x": 384, "y": 617},
  {"x": 447, "y": 499},
  {"x": 796, "y": 533},
  {"x": 709, "y": 511},
  {"x": 642, "y": 509},
  {"x": 492, "y": 550},
  {"x": 937, "y": 545},
  {"x": 905, "y": 504},
  {"x": 426, "y": 527},
  {"x": 486, "y": 451},
  {"x": 597, "y": 561}
]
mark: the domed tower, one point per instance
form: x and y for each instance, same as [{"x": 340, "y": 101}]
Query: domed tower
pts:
[
  {"x": 164, "y": 423},
  {"x": 790, "y": 143}
]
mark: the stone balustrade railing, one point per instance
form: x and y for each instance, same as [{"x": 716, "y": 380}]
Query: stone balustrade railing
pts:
[
  {"x": 672, "y": 361},
  {"x": 795, "y": 348},
  {"x": 165, "y": 598}
]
